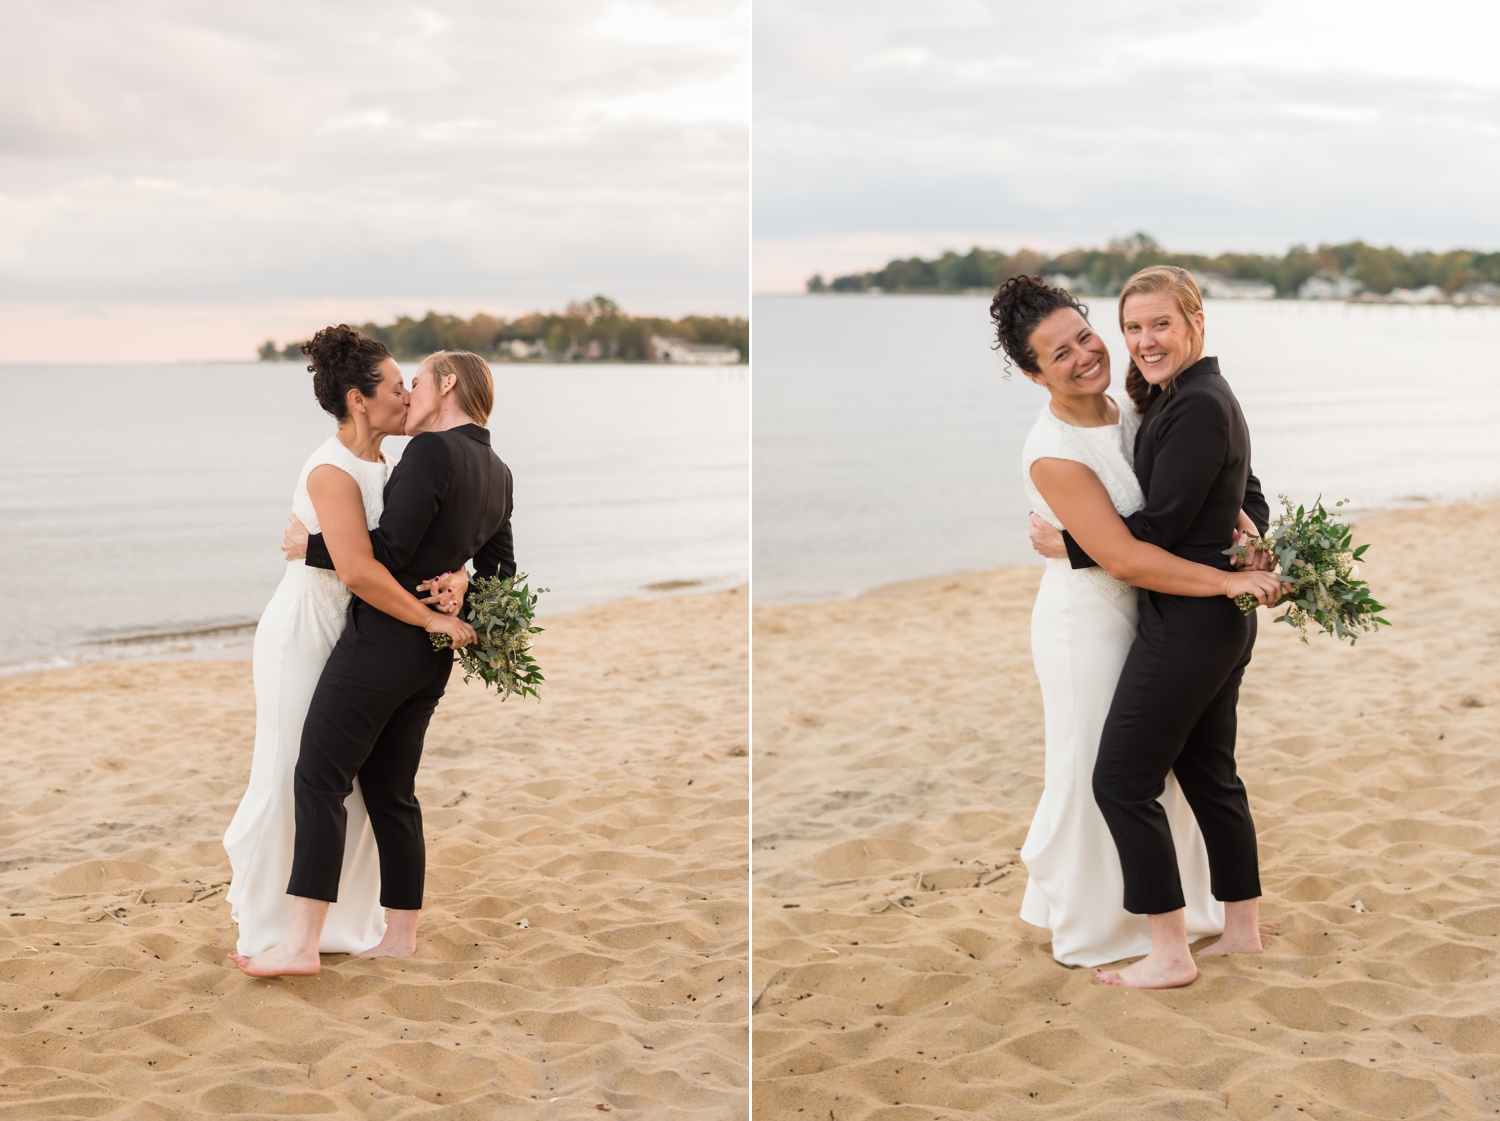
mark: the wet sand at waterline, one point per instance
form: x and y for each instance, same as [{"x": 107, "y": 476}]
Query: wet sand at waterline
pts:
[
  {"x": 898, "y": 759},
  {"x": 584, "y": 939}
]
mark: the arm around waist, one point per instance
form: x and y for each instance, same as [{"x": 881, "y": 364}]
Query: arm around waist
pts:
[
  {"x": 341, "y": 513},
  {"x": 1077, "y": 496}
]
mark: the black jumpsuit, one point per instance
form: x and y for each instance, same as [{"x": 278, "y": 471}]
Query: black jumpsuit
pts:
[
  {"x": 1174, "y": 706},
  {"x": 449, "y": 499}
]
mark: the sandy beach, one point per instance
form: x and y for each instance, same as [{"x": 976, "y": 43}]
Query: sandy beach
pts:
[
  {"x": 897, "y": 762},
  {"x": 584, "y": 942}
]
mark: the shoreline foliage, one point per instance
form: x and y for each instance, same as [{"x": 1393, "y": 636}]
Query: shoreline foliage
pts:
[
  {"x": 1377, "y": 271},
  {"x": 592, "y": 330}
]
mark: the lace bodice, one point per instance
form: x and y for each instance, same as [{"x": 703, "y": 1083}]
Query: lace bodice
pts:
[
  {"x": 325, "y": 588},
  {"x": 1107, "y": 451},
  {"x": 371, "y": 478}
]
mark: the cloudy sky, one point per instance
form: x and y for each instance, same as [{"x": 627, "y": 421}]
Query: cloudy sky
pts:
[
  {"x": 885, "y": 128},
  {"x": 182, "y": 180}
]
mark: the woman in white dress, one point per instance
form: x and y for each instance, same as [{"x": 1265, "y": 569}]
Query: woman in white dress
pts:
[
  {"x": 1079, "y": 456},
  {"x": 359, "y": 384}
]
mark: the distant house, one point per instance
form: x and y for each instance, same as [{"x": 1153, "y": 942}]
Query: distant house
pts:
[
  {"x": 1484, "y": 293},
  {"x": 1079, "y": 283},
  {"x": 1222, "y": 288},
  {"x": 524, "y": 348},
  {"x": 684, "y": 353},
  {"x": 1428, "y": 294},
  {"x": 1329, "y": 288}
]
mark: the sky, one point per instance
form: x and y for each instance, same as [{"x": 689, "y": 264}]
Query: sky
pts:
[
  {"x": 179, "y": 181},
  {"x": 885, "y": 128}
]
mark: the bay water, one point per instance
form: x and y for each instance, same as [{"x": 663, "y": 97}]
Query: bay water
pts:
[
  {"x": 142, "y": 506},
  {"x": 887, "y": 434}
]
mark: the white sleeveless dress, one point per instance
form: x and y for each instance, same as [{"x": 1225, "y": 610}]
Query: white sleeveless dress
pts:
[
  {"x": 1082, "y": 627},
  {"x": 296, "y": 634}
]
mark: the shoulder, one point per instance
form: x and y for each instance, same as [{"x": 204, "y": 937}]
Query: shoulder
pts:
[
  {"x": 329, "y": 478},
  {"x": 1218, "y": 388},
  {"x": 427, "y": 451},
  {"x": 1047, "y": 431},
  {"x": 497, "y": 468},
  {"x": 330, "y": 459},
  {"x": 1052, "y": 439},
  {"x": 330, "y": 452},
  {"x": 1204, "y": 400},
  {"x": 1045, "y": 440}
]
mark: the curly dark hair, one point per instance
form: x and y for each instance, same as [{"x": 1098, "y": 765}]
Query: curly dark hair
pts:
[
  {"x": 343, "y": 359},
  {"x": 1020, "y": 304}
]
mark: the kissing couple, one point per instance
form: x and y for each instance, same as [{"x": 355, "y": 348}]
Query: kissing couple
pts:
[
  {"x": 329, "y": 832},
  {"x": 1143, "y": 840}
]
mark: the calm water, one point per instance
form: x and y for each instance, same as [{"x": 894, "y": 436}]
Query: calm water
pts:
[
  {"x": 147, "y": 501},
  {"x": 887, "y": 442}
]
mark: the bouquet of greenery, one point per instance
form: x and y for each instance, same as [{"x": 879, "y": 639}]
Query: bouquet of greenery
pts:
[
  {"x": 1322, "y": 569},
  {"x": 501, "y": 615}
]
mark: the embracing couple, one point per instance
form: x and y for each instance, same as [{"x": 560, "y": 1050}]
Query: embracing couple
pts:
[
  {"x": 329, "y": 832},
  {"x": 1143, "y": 840}
]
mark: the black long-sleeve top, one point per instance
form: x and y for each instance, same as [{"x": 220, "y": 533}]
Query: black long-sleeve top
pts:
[
  {"x": 1192, "y": 457},
  {"x": 447, "y": 501}
]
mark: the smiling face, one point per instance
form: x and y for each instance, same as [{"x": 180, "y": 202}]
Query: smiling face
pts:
[
  {"x": 385, "y": 410},
  {"x": 1074, "y": 360},
  {"x": 1162, "y": 342}
]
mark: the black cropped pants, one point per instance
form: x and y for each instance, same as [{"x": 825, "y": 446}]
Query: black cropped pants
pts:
[
  {"x": 368, "y": 718},
  {"x": 1174, "y": 710}
]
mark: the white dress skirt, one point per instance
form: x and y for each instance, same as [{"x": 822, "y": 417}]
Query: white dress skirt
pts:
[
  {"x": 1082, "y": 627},
  {"x": 297, "y": 632}
]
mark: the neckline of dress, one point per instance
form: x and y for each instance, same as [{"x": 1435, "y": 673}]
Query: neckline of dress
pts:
[
  {"x": 381, "y": 462},
  {"x": 1047, "y": 408}
]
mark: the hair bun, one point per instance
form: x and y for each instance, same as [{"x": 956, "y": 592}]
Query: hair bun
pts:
[
  {"x": 343, "y": 359},
  {"x": 332, "y": 346}
]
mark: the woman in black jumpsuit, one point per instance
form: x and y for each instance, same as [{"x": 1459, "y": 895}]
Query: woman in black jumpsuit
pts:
[{"x": 1174, "y": 706}]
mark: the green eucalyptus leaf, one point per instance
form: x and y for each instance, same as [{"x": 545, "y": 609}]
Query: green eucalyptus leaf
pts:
[{"x": 501, "y": 612}]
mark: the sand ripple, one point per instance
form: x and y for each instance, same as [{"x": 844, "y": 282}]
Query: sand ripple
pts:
[
  {"x": 585, "y": 936},
  {"x": 899, "y": 757}
]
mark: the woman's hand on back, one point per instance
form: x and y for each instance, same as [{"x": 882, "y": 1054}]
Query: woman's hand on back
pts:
[
  {"x": 446, "y": 592},
  {"x": 294, "y": 539},
  {"x": 1259, "y": 559},
  {"x": 1047, "y": 539},
  {"x": 1266, "y": 587}
]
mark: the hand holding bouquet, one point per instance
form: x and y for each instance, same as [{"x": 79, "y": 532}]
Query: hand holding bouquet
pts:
[
  {"x": 1320, "y": 571},
  {"x": 501, "y": 615}
]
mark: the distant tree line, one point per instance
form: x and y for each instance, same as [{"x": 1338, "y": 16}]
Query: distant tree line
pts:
[
  {"x": 594, "y": 330},
  {"x": 1103, "y": 271}
]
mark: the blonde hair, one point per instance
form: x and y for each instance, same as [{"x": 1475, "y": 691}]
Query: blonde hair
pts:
[
  {"x": 474, "y": 387},
  {"x": 1180, "y": 285}
]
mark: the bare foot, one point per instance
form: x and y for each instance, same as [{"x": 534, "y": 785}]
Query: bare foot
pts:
[
  {"x": 279, "y": 961},
  {"x": 1152, "y": 972},
  {"x": 1239, "y": 942},
  {"x": 400, "y": 940},
  {"x": 393, "y": 945},
  {"x": 1226, "y": 946},
  {"x": 1242, "y": 930}
]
